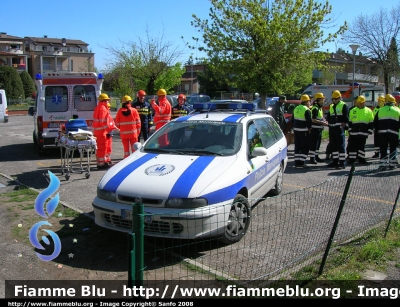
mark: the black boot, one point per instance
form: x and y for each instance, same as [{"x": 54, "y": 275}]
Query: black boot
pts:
[
  {"x": 312, "y": 161},
  {"x": 318, "y": 159},
  {"x": 333, "y": 164}
]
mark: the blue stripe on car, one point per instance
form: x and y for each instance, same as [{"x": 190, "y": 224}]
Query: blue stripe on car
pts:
[
  {"x": 233, "y": 118},
  {"x": 113, "y": 184},
  {"x": 188, "y": 178},
  {"x": 229, "y": 192}
]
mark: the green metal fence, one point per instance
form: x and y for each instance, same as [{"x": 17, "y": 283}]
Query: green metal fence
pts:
[{"x": 287, "y": 232}]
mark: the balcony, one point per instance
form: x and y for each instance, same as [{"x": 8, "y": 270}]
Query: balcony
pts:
[
  {"x": 12, "y": 50},
  {"x": 58, "y": 52}
]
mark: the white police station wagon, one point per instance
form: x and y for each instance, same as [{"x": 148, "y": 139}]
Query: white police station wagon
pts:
[{"x": 198, "y": 175}]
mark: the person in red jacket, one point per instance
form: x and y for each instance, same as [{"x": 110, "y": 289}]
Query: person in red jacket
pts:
[
  {"x": 162, "y": 114},
  {"x": 128, "y": 122},
  {"x": 102, "y": 125},
  {"x": 109, "y": 135}
]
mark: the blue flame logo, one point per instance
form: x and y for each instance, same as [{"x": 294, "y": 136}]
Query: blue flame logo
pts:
[{"x": 50, "y": 208}]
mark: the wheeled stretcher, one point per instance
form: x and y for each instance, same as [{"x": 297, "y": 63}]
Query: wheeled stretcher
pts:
[{"x": 83, "y": 142}]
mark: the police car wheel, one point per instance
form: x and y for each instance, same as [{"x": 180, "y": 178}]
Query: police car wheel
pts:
[
  {"x": 278, "y": 183},
  {"x": 238, "y": 221}
]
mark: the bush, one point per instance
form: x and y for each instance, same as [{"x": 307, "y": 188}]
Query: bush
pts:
[
  {"x": 28, "y": 84},
  {"x": 11, "y": 82}
]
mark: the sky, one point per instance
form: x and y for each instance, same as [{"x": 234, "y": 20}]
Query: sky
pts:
[{"x": 103, "y": 23}]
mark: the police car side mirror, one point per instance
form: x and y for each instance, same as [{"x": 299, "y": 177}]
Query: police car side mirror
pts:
[
  {"x": 137, "y": 146},
  {"x": 259, "y": 151}
]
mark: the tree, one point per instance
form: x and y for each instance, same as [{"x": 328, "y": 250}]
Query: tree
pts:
[
  {"x": 266, "y": 50},
  {"x": 149, "y": 64},
  {"x": 377, "y": 37},
  {"x": 212, "y": 80},
  {"x": 27, "y": 84},
  {"x": 11, "y": 82}
]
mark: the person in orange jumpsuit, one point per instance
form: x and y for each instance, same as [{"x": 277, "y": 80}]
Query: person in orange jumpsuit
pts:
[
  {"x": 128, "y": 122},
  {"x": 162, "y": 114},
  {"x": 109, "y": 135},
  {"x": 101, "y": 127}
]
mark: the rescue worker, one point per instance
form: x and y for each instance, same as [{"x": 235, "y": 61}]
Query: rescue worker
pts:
[
  {"x": 162, "y": 113},
  {"x": 278, "y": 113},
  {"x": 255, "y": 142},
  {"x": 338, "y": 118},
  {"x": 256, "y": 101},
  {"x": 180, "y": 109},
  {"x": 102, "y": 125},
  {"x": 387, "y": 123},
  {"x": 318, "y": 123},
  {"x": 128, "y": 121},
  {"x": 381, "y": 103},
  {"x": 301, "y": 122},
  {"x": 347, "y": 127},
  {"x": 145, "y": 113},
  {"x": 361, "y": 124},
  {"x": 109, "y": 136}
]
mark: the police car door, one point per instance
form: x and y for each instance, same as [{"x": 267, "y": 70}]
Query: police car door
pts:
[{"x": 266, "y": 167}]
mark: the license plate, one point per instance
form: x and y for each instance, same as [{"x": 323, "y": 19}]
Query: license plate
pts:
[
  {"x": 127, "y": 215},
  {"x": 54, "y": 125}
]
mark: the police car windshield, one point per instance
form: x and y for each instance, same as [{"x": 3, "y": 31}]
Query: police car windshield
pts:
[{"x": 196, "y": 138}]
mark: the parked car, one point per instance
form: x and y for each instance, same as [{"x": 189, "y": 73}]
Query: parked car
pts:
[
  {"x": 198, "y": 98},
  {"x": 198, "y": 176},
  {"x": 396, "y": 96},
  {"x": 288, "y": 107},
  {"x": 173, "y": 99},
  {"x": 270, "y": 102}
]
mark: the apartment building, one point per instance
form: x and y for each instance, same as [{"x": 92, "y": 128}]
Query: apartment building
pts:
[{"x": 44, "y": 54}]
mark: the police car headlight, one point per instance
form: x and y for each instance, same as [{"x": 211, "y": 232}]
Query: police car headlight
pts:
[
  {"x": 106, "y": 195},
  {"x": 184, "y": 203}
]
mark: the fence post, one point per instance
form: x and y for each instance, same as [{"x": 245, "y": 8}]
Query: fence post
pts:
[
  {"x": 332, "y": 235},
  {"x": 136, "y": 264},
  {"x": 391, "y": 214}
]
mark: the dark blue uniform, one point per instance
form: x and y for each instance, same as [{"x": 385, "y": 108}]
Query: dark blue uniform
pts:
[{"x": 146, "y": 117}]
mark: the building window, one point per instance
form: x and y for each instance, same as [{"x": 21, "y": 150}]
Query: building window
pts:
[
  {"x": 72, "y": 65},
  {"x": 46, "y": 64}
]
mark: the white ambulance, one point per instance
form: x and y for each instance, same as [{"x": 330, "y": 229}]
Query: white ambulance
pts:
[
  {"x": 62, "y": 96},
  {"x": 370, "y": 91},
  {"x": 3, "y": 107}
]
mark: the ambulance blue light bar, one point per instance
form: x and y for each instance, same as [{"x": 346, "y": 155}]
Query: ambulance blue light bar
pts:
[{"x": 223, "y": 106}]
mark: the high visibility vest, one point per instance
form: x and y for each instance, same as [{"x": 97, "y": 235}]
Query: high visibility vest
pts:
[
  {"x": 361, "y": 121},
  {"x": 320, "y": 116},
  {"x": 299, "y": 118},
  {"x": 389, "y": 119},
  {"x": 336, "y": 120}
]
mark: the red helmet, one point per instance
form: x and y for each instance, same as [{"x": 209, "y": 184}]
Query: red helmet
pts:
[
  {"x": 141, "y": 93},
  {"x": 182, "y": 96}
]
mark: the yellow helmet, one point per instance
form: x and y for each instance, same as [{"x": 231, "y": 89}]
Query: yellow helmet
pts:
[
  {"x": 361, "y": 99},
  {"x": 103, "y": 97},
  {"x": 305, "y": 97},
  {"x": 381, "y": 101},
  {"x": 319, "y": 95},
  {"x": 126, "y": 98},
  {"x": 336, "y": 94},
  {"x": 161, "y": 92},
  {"x": 390, "y": 98}
]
